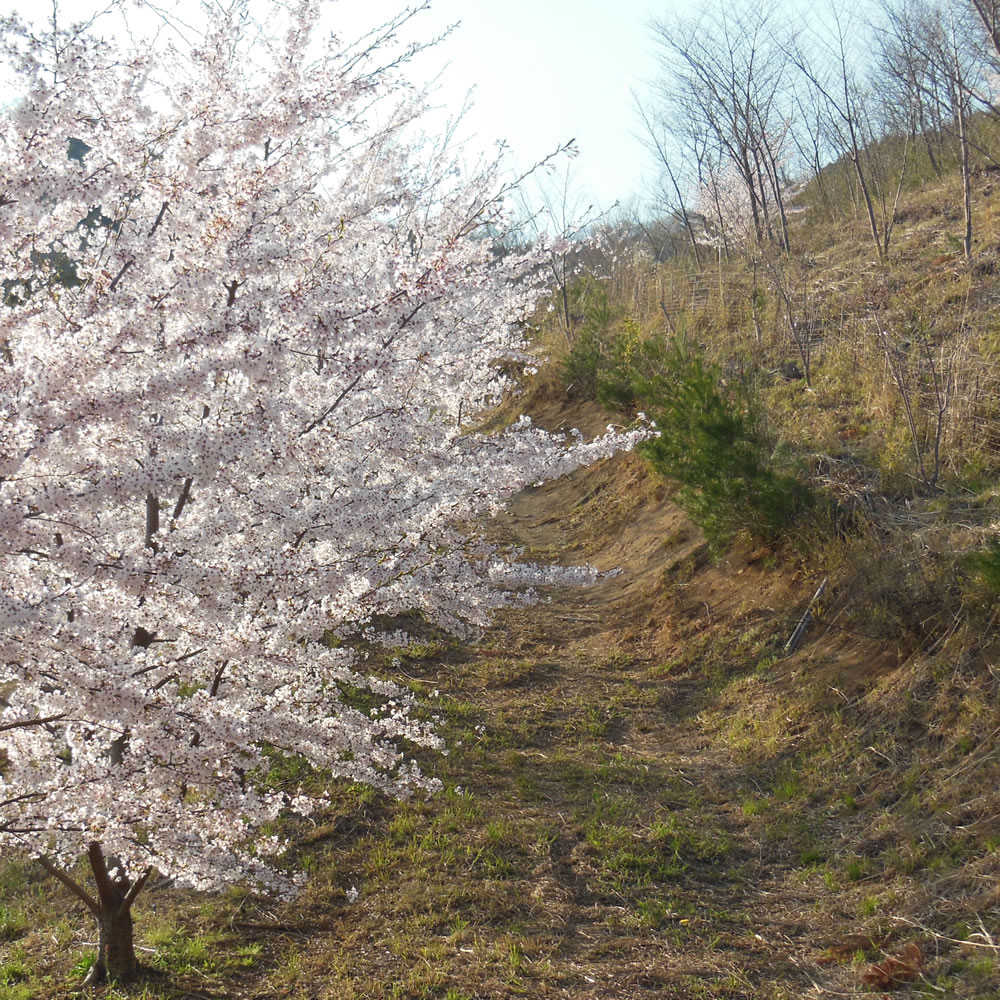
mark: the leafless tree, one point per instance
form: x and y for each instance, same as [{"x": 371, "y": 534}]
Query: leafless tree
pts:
[
  {"x": 724, "y": 92},
  {"x": 812, "y": 142},
  {"x": 960, "y": 103},
  {"x": 931, "y": 50},
  {"x": 825, "y": 61},
  {"x": 657, "y": 140},
  {"x": 926, "y": 386},
  {"x": 914, "y": 89},
  {"x": 988, "y": 12},
  {"x": 556, "y": 209}
]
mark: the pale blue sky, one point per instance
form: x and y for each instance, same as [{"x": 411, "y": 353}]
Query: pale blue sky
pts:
[
  {"x": 543, "y": 72},
  {"x": 546, "y": 71}
]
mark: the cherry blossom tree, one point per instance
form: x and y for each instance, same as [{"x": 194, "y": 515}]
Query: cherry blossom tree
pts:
[
  {"x": 249, "y": 317},
  {"x": 722, "y": 202}
]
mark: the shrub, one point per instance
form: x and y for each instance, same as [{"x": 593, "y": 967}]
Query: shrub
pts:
[
  {"x": 581, "y": 368},
  {"x": 712, "y": 441}
]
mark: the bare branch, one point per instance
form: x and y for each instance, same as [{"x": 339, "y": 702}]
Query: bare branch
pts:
[
  {"x": 183, "y": 499},
  {"x": 24, "y": 723},
  {"x": 353, "y": 385},
  {"x": 134, "y": 891},
  {"x": 159, "y": 218},
  {"x": 71, "y": 884},
  {"x": 121, "y": 274}
]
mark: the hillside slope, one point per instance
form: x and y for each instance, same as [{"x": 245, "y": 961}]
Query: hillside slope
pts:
[{"x": 643, "y": 798}]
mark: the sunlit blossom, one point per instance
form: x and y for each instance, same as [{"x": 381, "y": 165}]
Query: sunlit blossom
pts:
[{"x": 240, "y": 346}]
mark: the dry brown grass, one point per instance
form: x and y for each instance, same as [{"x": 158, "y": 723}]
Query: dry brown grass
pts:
[
  {"x": 644, "y": 799},
  {"x": 652, "y": 803}
]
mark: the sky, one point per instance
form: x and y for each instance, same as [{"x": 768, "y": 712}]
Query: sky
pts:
[
  {"x": 541, "y": 72},
  {"x": 546, "y": 71}
]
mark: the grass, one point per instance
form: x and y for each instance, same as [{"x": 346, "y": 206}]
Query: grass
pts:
[
  {"x": 12, "y": 924},
  {"x": 643, "y": 795},
  {"x": 471, "y": 890},
  {"x": 605, "y": 825}
]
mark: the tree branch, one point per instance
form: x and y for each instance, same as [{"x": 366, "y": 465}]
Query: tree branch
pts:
[
  {"x": 106, "y": 889},
  {"x": 24, "y": 723},
  {"x": 333, "y": 406},
  {"x": 183, "y": 499},
  {"x": 152, "y": 520},
  {"x": 159, "y": 218},
  {"x": 71, "y": 884},
  {"x": 134, "y": 891},
  {"x": 217, "y": 679},
  {"x": 121, "y": 274},
  {"x": 350, "y": 388}
]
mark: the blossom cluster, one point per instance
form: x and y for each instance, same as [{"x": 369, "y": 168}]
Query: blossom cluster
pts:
[{"x": 248, "y": 321}]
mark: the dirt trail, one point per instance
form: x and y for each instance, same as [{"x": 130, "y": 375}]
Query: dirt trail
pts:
[
  {"x": 642, "y": 799},
  {"x": 734, "y": 916}
]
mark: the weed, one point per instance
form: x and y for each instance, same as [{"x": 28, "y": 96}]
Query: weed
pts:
[
  {"x": 857, "y": 869},
  {"x": 13, "y": 972},
  {"x": 82, "y": 965},
  {"x": 618, "y": 659},
  {"x": 12, "y": 924}
]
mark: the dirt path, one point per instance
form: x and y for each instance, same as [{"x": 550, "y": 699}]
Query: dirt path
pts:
[
  {"x": 662, "y": 883},
  {"x": 641, "y": 799}
]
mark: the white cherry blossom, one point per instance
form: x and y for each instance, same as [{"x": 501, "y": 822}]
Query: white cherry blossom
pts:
[{"x": 246, "y": 335}]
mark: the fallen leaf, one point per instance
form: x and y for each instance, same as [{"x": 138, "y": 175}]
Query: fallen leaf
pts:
[{"x": 896, "y": 970}]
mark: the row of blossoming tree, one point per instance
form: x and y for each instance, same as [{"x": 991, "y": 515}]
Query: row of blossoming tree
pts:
[{"x": 248, "y": 317}]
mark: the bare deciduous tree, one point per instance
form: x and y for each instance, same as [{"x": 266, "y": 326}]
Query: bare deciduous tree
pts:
[
  {"x": 724, "y": 94},
  {"x": 935, "y": 64},
  {"x": 657, "y": 140},
  {"x": 826, "y": 64}
]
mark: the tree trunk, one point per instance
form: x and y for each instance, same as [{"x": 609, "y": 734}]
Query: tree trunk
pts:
[
  {"x": 115, "y": 947},
  {"x": 774, "y": 179},
  {"x": 855, "y": 156},
  {"x": 684, "y": 213},
  {"x": 113, "y": 909},
  {"x": 966, "y": 196},
  {"x": 963, "y": 145}
]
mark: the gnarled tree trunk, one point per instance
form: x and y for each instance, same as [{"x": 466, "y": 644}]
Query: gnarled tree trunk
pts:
[
  {"x": 116, "y": 958},
  {"x": 115, "y": 948}
]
